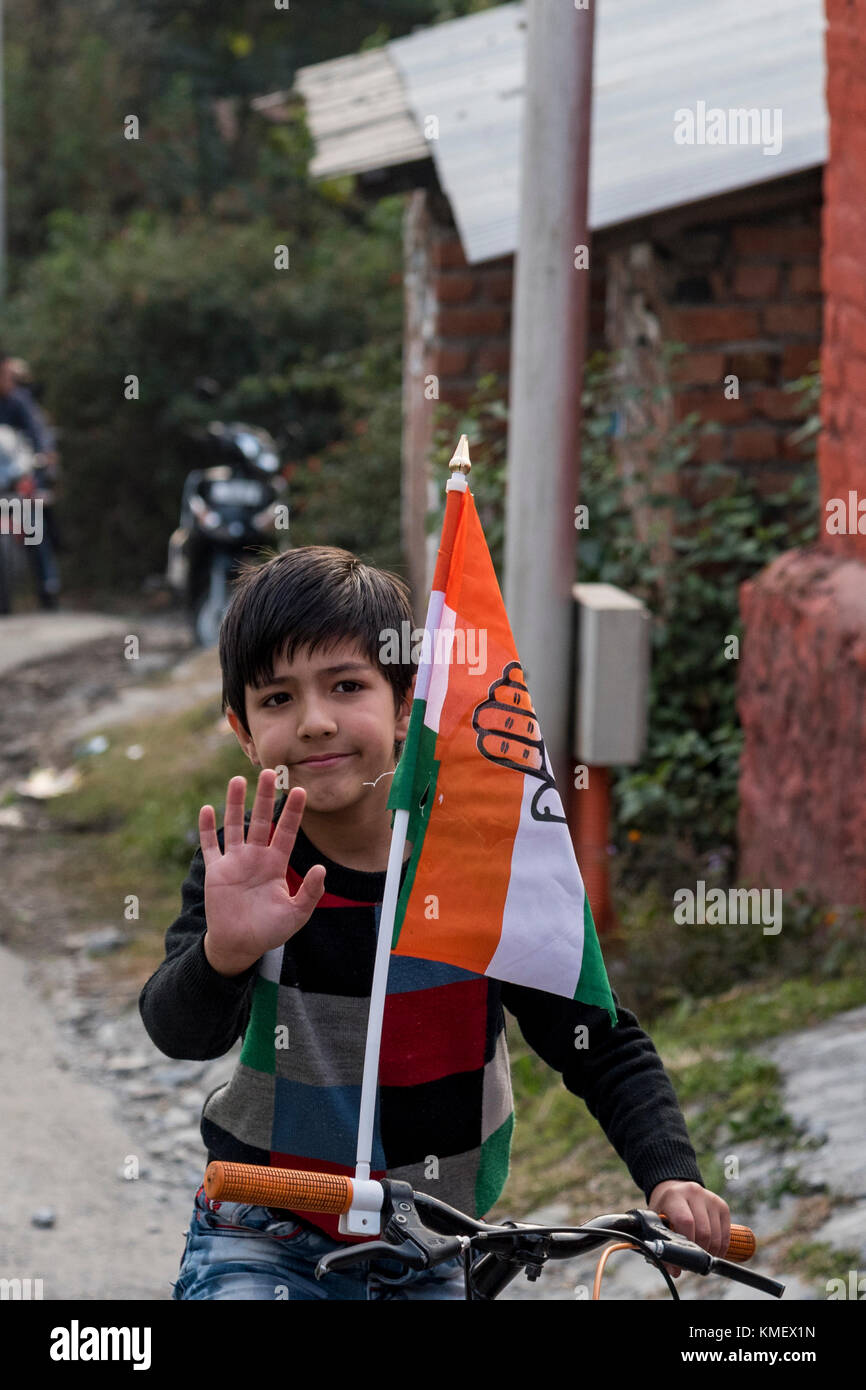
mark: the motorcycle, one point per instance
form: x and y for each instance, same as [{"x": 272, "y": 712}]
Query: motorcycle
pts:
[{"x": 235, "y": 503}]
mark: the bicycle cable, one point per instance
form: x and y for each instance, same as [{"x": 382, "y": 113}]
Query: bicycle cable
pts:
[{"x": 602, "y": 1261}]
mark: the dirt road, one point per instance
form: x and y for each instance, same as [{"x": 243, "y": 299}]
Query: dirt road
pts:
[
  {"x": 73, "y": 1130},
  {"x": 64, "y": 1148}
]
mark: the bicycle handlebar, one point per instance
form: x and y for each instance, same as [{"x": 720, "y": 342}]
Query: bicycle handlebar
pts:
[
  {"x": 290, "y": 1188},
  {"x": 294, "y": 1190}
]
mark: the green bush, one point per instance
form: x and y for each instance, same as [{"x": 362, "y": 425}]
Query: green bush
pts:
[{"x": 167, "y": 302}]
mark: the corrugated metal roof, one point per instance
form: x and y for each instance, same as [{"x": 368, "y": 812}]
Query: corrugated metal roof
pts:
[
  {"x": 653, "y": 58},
  {"x": 358, "y": 115}
]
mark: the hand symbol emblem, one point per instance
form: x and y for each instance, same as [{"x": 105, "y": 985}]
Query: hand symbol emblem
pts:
[{"x": 508, "y": 734}]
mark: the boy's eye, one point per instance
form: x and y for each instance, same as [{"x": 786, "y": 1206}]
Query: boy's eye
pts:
[{"x": 356, "y": 684}]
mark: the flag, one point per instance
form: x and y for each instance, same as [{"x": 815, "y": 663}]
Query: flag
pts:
[{"x": 492, "y": 884}]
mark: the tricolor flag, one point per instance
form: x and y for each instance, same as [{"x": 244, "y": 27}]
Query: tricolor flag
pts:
[{"x": 492, "y": 884}]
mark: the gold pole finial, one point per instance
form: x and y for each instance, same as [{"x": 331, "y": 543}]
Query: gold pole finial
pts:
[{"x": 460, "y": 460}]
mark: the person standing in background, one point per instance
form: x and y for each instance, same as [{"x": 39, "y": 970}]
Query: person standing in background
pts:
[{"x": 19, "y": 410}]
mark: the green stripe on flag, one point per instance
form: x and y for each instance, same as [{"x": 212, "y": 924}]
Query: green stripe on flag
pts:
[
  {"x": 593, "y": 987},
  {"x": 417, "y": 841},
  {"x": 414, "y": 783},
  {"x": 408, "y": 773}
]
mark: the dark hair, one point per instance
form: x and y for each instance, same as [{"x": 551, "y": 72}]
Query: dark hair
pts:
[{"x": 312, "y": 597}]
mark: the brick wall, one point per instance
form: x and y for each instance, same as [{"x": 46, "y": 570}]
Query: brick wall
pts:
[
  {"x": 473, "y": 314},
  {"x": 743, "y": 294},
  {"x": 842, "y": 458},
  {"x": 473, "y": 317},
  {"x": 457, "y": 329},
  {"x": 737, "y": 281}
]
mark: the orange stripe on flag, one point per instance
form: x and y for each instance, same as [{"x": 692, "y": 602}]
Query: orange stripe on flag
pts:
[
  {"x": 454, "y": 506},
  {"x": 457, "y": 903}
]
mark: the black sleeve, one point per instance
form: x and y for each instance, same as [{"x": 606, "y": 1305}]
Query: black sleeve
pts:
[
  {"x": 618, "y": 1074},
  {"x": 188, "y": 1008}
]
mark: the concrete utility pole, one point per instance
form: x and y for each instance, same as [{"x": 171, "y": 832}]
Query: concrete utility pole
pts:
[{"x": 551, "y": 304}]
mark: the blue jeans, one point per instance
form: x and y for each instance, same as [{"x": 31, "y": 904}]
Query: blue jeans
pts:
[{"x": 236, "y": 1251}]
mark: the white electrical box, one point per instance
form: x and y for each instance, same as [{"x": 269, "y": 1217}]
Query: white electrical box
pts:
[{"x": 612, "y": 677}]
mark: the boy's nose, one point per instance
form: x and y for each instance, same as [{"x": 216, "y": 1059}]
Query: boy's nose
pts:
[{"x": 315, "y": 720}]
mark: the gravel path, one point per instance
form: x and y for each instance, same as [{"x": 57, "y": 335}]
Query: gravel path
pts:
[{"x": 66, "y": 1140}]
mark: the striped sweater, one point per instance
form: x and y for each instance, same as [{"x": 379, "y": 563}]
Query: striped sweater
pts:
[{"x": 444, "y": 1113}]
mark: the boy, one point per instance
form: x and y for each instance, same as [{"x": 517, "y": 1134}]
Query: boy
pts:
[{"x": 276, "y": 941}]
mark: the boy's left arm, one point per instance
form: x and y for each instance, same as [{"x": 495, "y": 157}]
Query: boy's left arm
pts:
[{"x": 619, "y": 1074}]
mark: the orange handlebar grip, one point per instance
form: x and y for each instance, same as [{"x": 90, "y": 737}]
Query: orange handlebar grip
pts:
[
  {"x": 287, "y": 1188},
  {"x": 741, "y": 1242}
]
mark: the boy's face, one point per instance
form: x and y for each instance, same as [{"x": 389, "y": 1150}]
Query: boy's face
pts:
[{"x": 332, "y": 702}]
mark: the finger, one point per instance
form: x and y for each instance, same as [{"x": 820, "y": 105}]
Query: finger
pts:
[
  {"x": 703, "y": 1235},
  {"x": 309, "y": 891},
  {"x": 680, "y": 1216},
  {"x": 725, "y": 1228},
  {"x": 210, "y": 848},
  {"x": 236, "y": 796},
  {"x": 290, "y": 818},
  {"x": 519, "y": 723},
  {"x": 715, "y": 1240},
  {"x": 262, "y": 814},
  {"x": 499, "y": 748}
]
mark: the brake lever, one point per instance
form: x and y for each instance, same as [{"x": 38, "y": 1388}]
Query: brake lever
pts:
[
  {"x": 406, "y": 1238},
  {"x": 410, "y": 1255}
]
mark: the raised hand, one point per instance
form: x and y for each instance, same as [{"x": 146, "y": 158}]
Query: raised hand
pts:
[{"x": 248, "y": 906}]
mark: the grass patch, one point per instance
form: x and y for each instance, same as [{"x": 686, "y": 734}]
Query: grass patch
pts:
[
  {"x": 816, "y": 1261},
  {"x": 753, "y": 1013},
  {"x": 656, "y": 962}
]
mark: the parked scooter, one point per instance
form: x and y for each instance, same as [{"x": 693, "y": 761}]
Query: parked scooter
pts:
[{"x": 228, "y": 510}]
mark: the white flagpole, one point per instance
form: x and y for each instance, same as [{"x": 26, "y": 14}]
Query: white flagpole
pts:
[
  {"x": 459, "y": 466},
  {"x": 377, "y": 996}
]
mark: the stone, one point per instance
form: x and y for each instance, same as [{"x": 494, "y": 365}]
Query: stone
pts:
[
  {"x": 132, "y": 1062},
  {"x": 95, "y": 943}
]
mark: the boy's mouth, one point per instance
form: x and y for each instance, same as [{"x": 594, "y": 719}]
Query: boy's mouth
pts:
[{"x": 327, "y": 760}]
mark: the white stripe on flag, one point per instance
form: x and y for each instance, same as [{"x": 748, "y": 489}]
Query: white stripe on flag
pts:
[
  {"x": 441, "y": 639},
  {"x": 425, "y": 666},
  {"x": 542, "y": 925}
]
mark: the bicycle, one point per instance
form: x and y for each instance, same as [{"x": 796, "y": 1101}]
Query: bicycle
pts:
[{"x": 422, "y": 1231}]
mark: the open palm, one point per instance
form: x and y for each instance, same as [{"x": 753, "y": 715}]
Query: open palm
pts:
[{"x": 248, "y": 905}]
